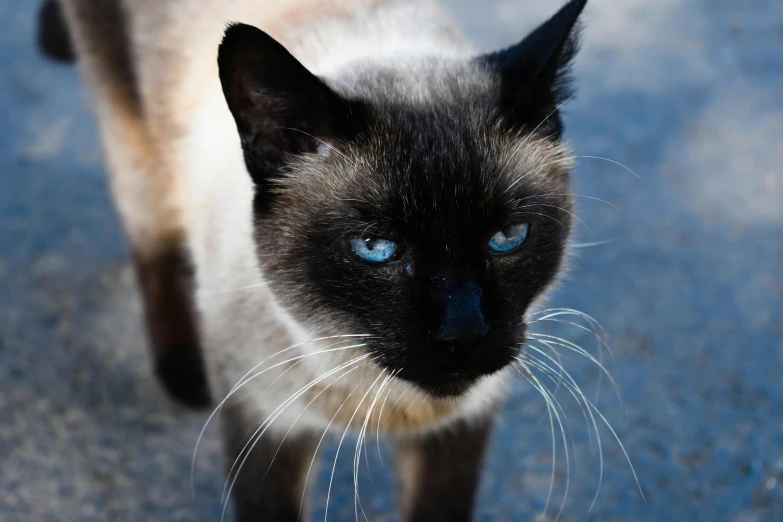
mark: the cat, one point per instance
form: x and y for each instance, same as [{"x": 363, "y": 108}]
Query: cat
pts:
[{"x": 341, "y": 217}]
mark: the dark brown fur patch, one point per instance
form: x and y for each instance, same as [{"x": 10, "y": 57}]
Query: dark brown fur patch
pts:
[
  {"x": 439, "y": 472},
  {"x": 166, "y": 284}
]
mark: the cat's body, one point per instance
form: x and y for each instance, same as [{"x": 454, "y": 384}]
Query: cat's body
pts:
[{"x": 412, "y": 98}]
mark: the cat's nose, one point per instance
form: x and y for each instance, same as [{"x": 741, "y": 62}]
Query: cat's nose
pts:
[
  {"x": 466, "y": 330},
  {"x": 462, "y": 326},
  {"x": 462, "y": 339}
]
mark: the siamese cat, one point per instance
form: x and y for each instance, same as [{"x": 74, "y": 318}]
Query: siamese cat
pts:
[{"x": 340, "y": 214}]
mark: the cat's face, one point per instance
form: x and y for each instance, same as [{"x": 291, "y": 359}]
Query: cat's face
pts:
[{"x": 432, "y": 225}]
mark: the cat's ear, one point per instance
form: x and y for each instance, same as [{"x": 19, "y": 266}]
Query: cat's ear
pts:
[
  {"x": 280, "y": 108},
  {"x": 534, "y": 73}
]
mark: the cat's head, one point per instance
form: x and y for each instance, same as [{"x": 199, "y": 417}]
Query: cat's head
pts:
[{"x": 429, "y": 214}]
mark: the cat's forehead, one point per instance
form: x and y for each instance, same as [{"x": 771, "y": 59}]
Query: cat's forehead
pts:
[
  {"x": 427, "y": 161},
  {"x": 432, "y": 174}
]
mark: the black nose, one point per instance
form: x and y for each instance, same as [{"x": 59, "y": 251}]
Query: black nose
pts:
[
  {"x": 462, "y": 326},
  {"x": 469, "y": 330}
]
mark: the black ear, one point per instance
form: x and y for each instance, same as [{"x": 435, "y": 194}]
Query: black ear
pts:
[
  {"x": 534, "y": 72},
  {"x": 280, "y": 107}
]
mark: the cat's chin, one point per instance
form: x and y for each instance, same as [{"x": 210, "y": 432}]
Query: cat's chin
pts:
[
  {"x": 451, "y": 385},
  {"x": 447, "y": 388}
]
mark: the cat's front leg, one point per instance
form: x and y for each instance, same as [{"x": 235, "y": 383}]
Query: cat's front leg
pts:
[
  {"x": 439, "y": 472},
  {"x": 270, "y": 487},
  {"x": 166, "y": 284}
]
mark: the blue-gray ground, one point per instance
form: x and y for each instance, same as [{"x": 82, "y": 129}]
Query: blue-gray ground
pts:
[{"x": 687, "y": 93}]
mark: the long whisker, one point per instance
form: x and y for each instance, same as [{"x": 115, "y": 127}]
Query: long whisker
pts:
[
  {"x": 323, "y": 435},
  {"x": 574, "y": 389},
  {"x": 568, "y": 194},
  {"x": 592, "y": 407},
  {"x": 536, "y": 171},
  {"x": 612, "y": 161},
  {"x": 600, "y": 340},
  {"x": 369, "y": 425},
  {"x": 239, "y": 289},
  {"x": 558, "y": 208},
  {"x": 589, "y": 244},
  {"x": 547, "y": 216},
  {"x": 359, "y": 445},
  {"x": 560, "y": 372},
  {"x": 559, "y": 106},
  {"x": 318, "y": 339},
  {"x": 555, "y": 312},
  {"x": 557, "y": 376},
  {"x": 595, "y": 326},
  {"x": 305, "y": 408},
  {"x": 571, "y": 346},
  {"x": 570, "y": 383},
  {"x": 268, "y": 422},
  {"x": 378, "y": 427},
  {"x": 339, "y": 445},
  {"x": 565, "y": 443},
  {"x": 552, "y": 407},
  {"x": 622, "y": 447},
  {"x": 244, "y": 380},
  {"x": 356, "y": 460},
  {"x": 550, "y": 340}
]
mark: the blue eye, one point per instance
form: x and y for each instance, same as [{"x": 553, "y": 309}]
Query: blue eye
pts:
[
  {"x": 374, "y": 250},
  {"x": 509, "y": 238}
]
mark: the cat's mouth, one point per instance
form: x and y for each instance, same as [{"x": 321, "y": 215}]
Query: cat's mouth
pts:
[
  {"x": 450, "y": 384},
  {"x": 443, "y": 373}
]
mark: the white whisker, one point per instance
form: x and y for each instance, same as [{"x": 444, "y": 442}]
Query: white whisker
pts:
[
  {"x": 318, "y": 339},
  {"x": 320, "y": 441},
  {"x": 536, "y": 171},
  {"x": 612, "y": 161},
  {"x": 536, "y": 196},
  {"x": 239, "y": 289},
  {"x": 600, "y": 340},
  {"x": 558, "y": 208},
  {"x": 592, "y": 332},
  {"x": 555, "y": 378},
  {"x": 574, "y": 389},
  {"x": 305, "y": 408},
  {"x": 559, "y": 106},
  {"x": 559, "y": 374},
  {"x": 552, "y": 407},
  {"x": 244, "y": 380},
  {"x": 556, "y": 407},
  {"x": 590, "y": 244},
  {"x": 622, "y": 447},
  {"x": 360, "y": 444},
  {"x": 549, "y": 340},
  {"x": 268, "y": 422},
  {"x": 378, "y": 427},
  {"x": 340, "y": 444}
]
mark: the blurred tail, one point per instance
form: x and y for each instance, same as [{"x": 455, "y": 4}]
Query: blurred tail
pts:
[{"x": 54, "y": 40}]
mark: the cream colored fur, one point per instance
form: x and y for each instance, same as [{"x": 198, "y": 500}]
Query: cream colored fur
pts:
[{"x": 177, "y": 167}]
